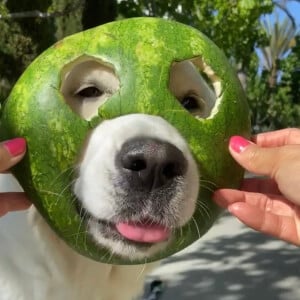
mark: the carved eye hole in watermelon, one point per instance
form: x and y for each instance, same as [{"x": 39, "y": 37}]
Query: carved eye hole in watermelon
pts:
[
  {"x": 195, "y": 86},
  {"x": 86, "y": 84}
]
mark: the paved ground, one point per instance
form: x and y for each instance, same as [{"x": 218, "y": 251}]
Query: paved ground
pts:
[{"x": 232, "y": 262}]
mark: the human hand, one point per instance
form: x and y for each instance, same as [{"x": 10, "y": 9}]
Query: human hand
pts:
[
  {"x": 11, "y": 152},
  {"x": 270, "y": 204}
]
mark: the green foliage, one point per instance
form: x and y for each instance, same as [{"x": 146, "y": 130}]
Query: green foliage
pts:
[
  {"x": 280, "y": 107},
  {"x": 291, "y": 72},
  {"x": 40, "y": 31},
  {"x": 69, "y": 22},
  {"x": 16, "y": 52},
  {"x": 20, "y": 41},
  {"x": 23, "y": 38}
]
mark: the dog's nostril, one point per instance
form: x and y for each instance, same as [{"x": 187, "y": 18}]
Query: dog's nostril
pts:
[
  {"x": 136, "y": 165},
  {"x": 171, "y": 170}
]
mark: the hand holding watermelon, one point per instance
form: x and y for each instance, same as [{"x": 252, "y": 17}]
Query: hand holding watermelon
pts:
[
  {"x": 11, "y": 152},
  {"x": 269, "y": 204}
]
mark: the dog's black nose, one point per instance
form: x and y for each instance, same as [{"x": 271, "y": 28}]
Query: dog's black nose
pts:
[{"x": 150, "y": 163}]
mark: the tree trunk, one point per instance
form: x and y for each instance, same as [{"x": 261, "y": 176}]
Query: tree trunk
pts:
[
  {"x": 97, "y": 12},
  {"x": 273, "y": 76}
]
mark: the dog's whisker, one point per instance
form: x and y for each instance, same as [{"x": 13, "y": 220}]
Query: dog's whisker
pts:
[
  {"x": 76, "y": 233},
  {"x": 181, "y": 231},
  {"x": 208, "y": 185},
  {"x": 68, "y": 172},
  {"x": 181, "y": 239},
  {"x": 50, "y": 192},
  {"x": 208, "y": 188},
  {"x": 74, "y": 205},
  {"x": 71, "y": 170},
  {"x": 103, "y": 257},
  {"x": 82, "y": 223},
  {"x": 197, "y": 227},
  {"x": 112, "y": 253},
  {"x": 207, "y": 210},
  {"x": 58, "y": 195},
  {"x": 85, "y": 239},
  {"x": 208, "y": 181},
  {"x": 203, "y": 209},
  {"x": 65, "y": 189}
]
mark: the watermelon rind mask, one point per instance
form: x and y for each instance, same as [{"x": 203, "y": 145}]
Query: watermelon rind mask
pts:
[{"x": 141, "y": 53}]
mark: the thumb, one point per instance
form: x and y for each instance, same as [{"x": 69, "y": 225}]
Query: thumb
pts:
[
  {"x": 259, "y": 160},
  {"x": 11, "y": 152}
]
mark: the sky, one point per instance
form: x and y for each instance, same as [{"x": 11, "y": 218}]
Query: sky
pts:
[{"x": 294, "y": 9}]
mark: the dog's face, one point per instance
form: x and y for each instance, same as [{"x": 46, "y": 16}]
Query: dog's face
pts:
[{"x": 138, "y": 182}]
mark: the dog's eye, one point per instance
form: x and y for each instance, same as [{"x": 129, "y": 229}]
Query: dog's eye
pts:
[
  {"x": 195, "y": 86},
  {"x": 193, "y": 104},
  {"x": 89, "y": 92},
  {"x": 190, "y": 103},
  {"x": 86, "y": 84}
]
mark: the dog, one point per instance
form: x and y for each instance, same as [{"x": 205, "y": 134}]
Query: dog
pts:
[{"x": 136, "y": 182}]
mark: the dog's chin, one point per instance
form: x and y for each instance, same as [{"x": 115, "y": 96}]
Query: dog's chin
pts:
[{"x": 106, "y": 234}]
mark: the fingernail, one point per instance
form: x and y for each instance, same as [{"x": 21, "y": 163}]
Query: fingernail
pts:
[
  {"x": 231, "y": 208},
  {"x": 236, "y": 207},
  {"x": 238, "y": 143},
  {"x": 15, "y": 146}
]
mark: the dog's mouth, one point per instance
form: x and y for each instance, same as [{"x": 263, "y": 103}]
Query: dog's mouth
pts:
[{"x": 144, "y": 232}]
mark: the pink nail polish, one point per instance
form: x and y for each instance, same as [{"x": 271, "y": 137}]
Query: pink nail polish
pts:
[
  {"x": 238, "y": 143},
  {"x": 15, "y": 146}
]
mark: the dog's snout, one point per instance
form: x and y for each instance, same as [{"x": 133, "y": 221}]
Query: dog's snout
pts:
[{"x": 150, "y": 163}]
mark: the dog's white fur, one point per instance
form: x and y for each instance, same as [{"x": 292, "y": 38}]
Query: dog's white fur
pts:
[
  {"x": 97, "y": 170},
  {"x": 34, "y": 263}
]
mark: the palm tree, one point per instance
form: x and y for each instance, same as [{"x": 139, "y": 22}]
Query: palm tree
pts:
[{"x": 281, "y": 35}]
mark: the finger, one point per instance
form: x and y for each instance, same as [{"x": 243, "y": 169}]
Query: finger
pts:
[
  {"x": 260, "y": 185},
  {"x": 289, "y": 136},
  {"x": 275, "y": 204},
  {"x": 12, "y": 202},
  {"x": 282, "y": 227},
  {"x": 258, "y": 160},
  {"x": 226, "y": 197},
  {"x": 11, "y": 152}
]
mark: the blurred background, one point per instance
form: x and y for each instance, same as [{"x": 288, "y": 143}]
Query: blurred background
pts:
[{"x": 260, "y": 38}]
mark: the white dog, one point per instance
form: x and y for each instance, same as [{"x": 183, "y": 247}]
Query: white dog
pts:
[{"x": 137, "y": 180}]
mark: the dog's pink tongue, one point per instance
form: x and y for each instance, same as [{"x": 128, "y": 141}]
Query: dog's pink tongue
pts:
[{"x": 145, "y": 233}]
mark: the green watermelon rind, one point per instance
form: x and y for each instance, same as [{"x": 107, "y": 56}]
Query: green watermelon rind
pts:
[{"x": 141, "y": 51}]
